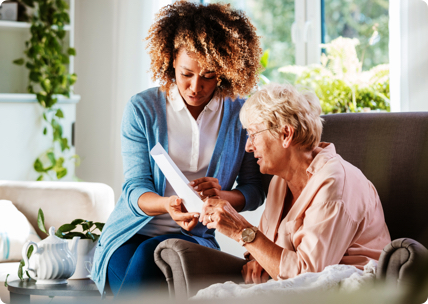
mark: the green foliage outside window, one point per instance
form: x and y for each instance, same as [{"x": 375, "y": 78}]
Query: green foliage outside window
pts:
[
  {"x": 356, "y": 19},
  {"x": 339, "y": 81}
]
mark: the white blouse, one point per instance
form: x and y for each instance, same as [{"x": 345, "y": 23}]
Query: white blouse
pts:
[{"x": 190, "y": 145}]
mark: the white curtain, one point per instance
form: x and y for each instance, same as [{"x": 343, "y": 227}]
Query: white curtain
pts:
[
  {"x": 408, "y": 28},
  {"x": 112, "y": 65}
]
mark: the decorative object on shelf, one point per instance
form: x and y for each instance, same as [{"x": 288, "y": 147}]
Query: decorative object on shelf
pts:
[
  {"x": 52, "y": 260},
  {"x": 339, "y": 81},
  {"x": 9, "y": 11},
  {"x": 46, "y": 61},
  {"x": 84, "y": 251}
]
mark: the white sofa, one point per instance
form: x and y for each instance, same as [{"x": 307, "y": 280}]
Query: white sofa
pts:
[{"x": 61, "y": 202}]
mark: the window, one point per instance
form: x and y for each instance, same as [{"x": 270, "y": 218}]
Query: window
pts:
[
  {"x": 273, "y": 20},
  {"x": 366, "y": 20}
]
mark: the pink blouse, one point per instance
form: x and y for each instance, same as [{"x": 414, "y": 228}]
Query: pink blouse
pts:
[{"x": 338, "y": 218}]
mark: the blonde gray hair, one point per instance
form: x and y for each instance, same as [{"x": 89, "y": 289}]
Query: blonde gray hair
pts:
[{"x": 277, "y": 105}]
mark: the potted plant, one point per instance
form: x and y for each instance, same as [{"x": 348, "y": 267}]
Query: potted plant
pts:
[{"x": 85, "y": 247}]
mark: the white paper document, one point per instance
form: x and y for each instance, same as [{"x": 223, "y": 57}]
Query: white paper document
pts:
[{"x": 176, "y": 178}]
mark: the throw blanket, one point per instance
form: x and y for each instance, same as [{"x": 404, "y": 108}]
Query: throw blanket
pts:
[{"x": 334, "y": 277}]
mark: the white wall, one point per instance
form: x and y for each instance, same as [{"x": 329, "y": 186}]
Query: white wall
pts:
[{"x": 111, "y": 65}]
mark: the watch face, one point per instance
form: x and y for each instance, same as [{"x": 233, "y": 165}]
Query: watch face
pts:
[{"x": 248, "y": 235}]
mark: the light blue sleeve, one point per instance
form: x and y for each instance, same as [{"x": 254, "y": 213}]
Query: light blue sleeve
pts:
[{"x": 136, "y": 157}]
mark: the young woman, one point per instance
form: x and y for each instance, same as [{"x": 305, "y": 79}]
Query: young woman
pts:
[{"x": 204, "y": 57}]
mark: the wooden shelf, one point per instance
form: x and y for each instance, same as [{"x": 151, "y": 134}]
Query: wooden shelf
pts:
[
  {"x": 32, "y": 98},
  {"x": 16, "y": 25}
]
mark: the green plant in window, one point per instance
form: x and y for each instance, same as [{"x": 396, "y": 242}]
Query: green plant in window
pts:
[
  {"x": 47, "y": 59},
  {"x": 339, "y": 81}
]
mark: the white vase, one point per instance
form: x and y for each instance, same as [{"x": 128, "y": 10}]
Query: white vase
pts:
[{"x": 85, "y": 255}]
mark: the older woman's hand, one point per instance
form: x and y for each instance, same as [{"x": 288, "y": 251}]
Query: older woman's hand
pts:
[
  {"x": 252, "y": 272},
  {"x": 219, "y": 214},
  {"x": 186, "y": 220},
  {"x": 206, "y": 187}
]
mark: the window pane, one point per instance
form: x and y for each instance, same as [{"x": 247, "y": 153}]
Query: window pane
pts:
[
  {"x": 359, "y": 19},
  {"x": 273, "y": 20}
]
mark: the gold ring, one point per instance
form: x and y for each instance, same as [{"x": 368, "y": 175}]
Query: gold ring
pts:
[{"x": 210, "y": 219}]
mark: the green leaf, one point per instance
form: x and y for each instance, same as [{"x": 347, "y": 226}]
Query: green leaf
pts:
[
  {"x": 61, "y": 34},
  {"x": 67, "y": 227},
  {"x": 45, "y": 131},
  {"x": 51, "y": 157},
  {"x": 77, "y": 222},
  {"x": 38, "y": 166},
  {"x": 20, "y": 272},
  {"x": 71, "y": 235},
  {"x": 87, "y": 225},
  {"x": 19, "y": 61},
  {"x": 61, "y": 173},
  {"x": 59, "y": 113},
  {"x": 99, "y": 225},
  {"x": 35, "y": 76},
  {"x": 96, "y": 236},
  {"x": 30, "y": 251},
  {"x": 59, "y": 234},
  {"x": 90, "y": 236},
  {"x": 265, "y": 58},
  {"x": 40, "y": 178},
  {"x": 71, "y": 52},
  {"x": 28, "y": 275},
  {"x": 46, "y": 85},
  {"x": 72, "y": 79},
  {"x": 44, "y": 117},
  {"x": 41, "y": 221},
  {"x": 65, "y": 59},
  {"x": 5, "y": 281},
  {"x": 64, "y": 144}
]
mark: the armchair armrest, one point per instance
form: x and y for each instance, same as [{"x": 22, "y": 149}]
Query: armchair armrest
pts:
[
  {"x": 405, "y": 262},
  {"x": 189, "y": 267}
]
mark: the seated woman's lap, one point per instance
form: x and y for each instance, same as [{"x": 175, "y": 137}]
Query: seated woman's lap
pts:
[{"x": 132, "y": 266}]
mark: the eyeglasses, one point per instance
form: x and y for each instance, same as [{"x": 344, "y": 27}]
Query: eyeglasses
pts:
[{"x": 253, "y": 135}]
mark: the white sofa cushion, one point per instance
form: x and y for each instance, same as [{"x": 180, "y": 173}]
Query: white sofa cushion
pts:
[{"x": 15, "y": 230}]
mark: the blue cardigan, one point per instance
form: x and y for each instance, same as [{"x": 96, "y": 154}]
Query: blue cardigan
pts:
[{"x": 144, "y": 124}]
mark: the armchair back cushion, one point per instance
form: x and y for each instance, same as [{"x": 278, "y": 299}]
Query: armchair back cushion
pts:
[
  {"x": 61, "y": 202},
  {"x": 391, "y": 149}
]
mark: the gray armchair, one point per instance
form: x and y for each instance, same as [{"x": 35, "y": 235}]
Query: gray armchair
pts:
[{"x": 391, "y": 149}]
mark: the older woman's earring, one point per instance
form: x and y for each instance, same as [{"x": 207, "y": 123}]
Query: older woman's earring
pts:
[{"x": 219, "y": 82}]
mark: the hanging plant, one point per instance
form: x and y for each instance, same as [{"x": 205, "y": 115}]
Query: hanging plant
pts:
[{"x": 47, "y": 60}]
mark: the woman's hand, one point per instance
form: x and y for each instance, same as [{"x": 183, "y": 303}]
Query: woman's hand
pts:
[
  {"x": 186, "y": 220},
  {"x": 206, "y": 187},
  {"x": 219, "y": 214},
  {"x": 252, "y": 272}
]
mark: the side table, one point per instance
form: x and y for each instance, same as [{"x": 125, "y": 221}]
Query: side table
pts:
[{"x": 20, "y": 291}]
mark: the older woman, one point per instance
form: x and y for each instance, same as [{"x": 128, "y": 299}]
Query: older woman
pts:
[
  {"x": 204, "y": 57},
  {"x": 320, "y": 209}
]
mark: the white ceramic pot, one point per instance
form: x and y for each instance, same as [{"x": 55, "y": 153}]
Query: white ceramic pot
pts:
[
  {"x": 53, "y": 260},
  {"x": 85, "y": 256}
]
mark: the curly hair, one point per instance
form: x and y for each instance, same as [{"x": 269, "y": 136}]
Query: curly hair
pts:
[
  {"x": 223, "y": 40},
  {"x": 278, "y": 105}
]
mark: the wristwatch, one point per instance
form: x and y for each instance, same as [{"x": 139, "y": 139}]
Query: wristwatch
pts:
[{"x": 248, "y": 235}]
